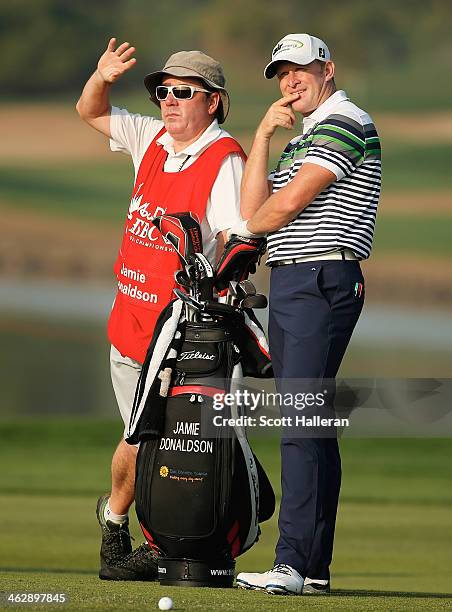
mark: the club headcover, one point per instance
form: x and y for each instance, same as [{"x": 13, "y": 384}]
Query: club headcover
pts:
[
  {"x": 239, "y": 260},
  {"x": 182, "y": 231}
]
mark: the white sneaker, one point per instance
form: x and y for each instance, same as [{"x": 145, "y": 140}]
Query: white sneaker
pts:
[
  {"x": 281, "y": 580},
  {"x": 312, "y": 586}
]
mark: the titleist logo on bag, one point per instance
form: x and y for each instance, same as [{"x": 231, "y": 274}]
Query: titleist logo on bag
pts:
[{"x": 195, "y": 355}]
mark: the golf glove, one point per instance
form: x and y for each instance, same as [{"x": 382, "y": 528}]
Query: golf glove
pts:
[{"x": 240, "y": 229}]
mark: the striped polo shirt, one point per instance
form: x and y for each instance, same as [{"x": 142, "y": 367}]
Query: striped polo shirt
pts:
[{"x": 342, "y": 138}]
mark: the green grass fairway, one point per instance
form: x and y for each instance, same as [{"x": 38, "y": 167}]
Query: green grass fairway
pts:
[
  {"x": 426, "y": 235},
  {"x": 101, "y": 190},
  {"x": 393, "y": 536},
  {"x": 420, "y": 166},
  {"x": 86, "y": 592}
]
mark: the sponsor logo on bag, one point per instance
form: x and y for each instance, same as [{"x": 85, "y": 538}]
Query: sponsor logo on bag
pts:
[
  {"x": 195, "y": 355},
  {"x": 221, "y": 572},
  {"x": 164, "y": 471}
]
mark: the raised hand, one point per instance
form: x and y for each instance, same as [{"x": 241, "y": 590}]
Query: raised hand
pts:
[
  {"x": 113, "y": 63},
  {"x": 280, "y": 114}
]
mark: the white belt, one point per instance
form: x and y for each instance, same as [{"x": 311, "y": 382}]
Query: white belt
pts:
[{"x": 342, "y": 254}]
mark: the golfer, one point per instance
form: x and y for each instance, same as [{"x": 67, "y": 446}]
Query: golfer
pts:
[
  {"x": 183, "y": 162},
  {"x": 318, "y": 208}
]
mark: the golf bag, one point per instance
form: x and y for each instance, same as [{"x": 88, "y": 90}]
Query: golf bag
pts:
[{"x": 199, "y": 498}]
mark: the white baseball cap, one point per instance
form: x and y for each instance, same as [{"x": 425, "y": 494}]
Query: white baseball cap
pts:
[{"x": 300, "y": 49}]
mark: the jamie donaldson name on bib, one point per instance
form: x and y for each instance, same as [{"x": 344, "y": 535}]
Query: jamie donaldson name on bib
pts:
[{"x": 265, "y": 421}]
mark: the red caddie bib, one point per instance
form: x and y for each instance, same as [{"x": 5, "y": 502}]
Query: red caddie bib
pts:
[{"x": 146, "y": 264}]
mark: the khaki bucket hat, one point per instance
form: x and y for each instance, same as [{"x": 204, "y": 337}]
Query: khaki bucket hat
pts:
[{"x": 192, "y": 64}]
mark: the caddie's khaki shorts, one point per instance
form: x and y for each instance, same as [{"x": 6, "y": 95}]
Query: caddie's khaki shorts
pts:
[{"x": 124, "y": 376}]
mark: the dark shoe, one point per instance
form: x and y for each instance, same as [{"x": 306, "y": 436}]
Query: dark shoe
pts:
[
  {"x": 141, "y": 564},
  {"x": 314, "y": 587},
  {"x": 116, "y": 544}
]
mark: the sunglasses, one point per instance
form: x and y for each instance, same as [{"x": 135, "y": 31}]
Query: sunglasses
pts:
[{"x": 180, "y": 92}]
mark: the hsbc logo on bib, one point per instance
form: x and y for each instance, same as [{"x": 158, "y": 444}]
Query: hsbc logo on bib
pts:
[
  {"x": 142, "y": 208},
  {"x": 141, "y": 226}
]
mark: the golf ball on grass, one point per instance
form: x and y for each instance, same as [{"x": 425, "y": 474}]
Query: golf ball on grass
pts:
[{"x": 165, "y": 603}]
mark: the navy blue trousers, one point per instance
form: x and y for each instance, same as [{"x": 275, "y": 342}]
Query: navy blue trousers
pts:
[{"x": 314, "y": 307}]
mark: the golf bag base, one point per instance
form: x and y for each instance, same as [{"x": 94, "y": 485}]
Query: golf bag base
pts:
[{"x": 216, "y": 573}]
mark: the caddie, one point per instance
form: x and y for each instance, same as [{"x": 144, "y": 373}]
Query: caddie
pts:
[
  {"x": 318, "y": 207},
  {"x": 183, "y": 162}
]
